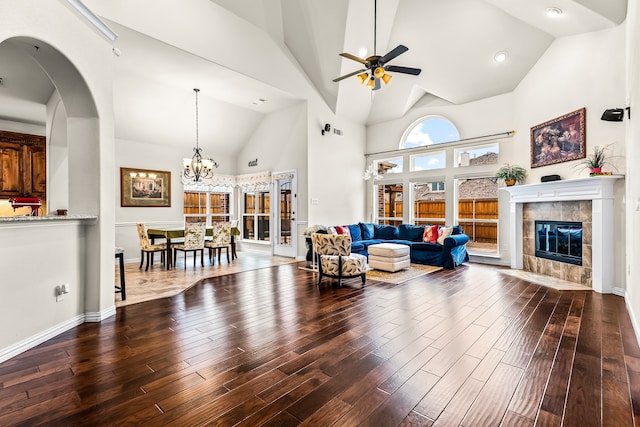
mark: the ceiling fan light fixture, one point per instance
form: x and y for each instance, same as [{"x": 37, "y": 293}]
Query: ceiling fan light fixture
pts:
[
  {"x": 377, "y": 65},
  {"x": 371, "y": 83}
]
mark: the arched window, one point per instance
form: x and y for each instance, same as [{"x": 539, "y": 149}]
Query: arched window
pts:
[{"x": 429, "y": 130}]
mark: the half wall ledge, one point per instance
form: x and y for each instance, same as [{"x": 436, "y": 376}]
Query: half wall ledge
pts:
[{"x": 48, "y": 218}]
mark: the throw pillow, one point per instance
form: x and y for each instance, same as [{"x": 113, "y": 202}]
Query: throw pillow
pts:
[
  {"x": 331, "y": 230},
  {"x": 430, "y": 234},
  {"x": 354, "y": 232},
  {"x": 410, "y": 232},
  {"x": 342, "y": 230},
  {"x": 367, "y": 231},
  {"x": 385, "y": 232},
  {"x": 444, "y": 232}
]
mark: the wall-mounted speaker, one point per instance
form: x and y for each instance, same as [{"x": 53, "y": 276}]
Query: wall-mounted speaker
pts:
[{"x": 613, "y": 115}]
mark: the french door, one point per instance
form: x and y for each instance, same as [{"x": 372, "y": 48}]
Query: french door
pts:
[{"x": 284, "y": 213}]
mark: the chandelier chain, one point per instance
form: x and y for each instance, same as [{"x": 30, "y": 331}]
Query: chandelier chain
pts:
[
  {"x": 197, "y": 115},
  {"x": 197, "y": 167}
]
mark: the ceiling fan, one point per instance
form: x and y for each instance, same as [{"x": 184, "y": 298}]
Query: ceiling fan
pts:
[{"x": 377, "y": 65}]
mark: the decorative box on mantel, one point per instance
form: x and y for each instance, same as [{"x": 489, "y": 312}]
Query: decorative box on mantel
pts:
[{"x": 600, "y": 191}]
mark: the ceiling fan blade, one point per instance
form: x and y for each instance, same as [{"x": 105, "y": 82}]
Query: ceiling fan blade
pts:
[
  {"x": 399, "y": 50},
  {"x": 405, "y": 70},
  {"x": 355, "y": 58},
  {"x": 349, "y": 75}
]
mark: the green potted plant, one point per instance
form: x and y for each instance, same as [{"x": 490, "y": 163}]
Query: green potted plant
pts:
[
  {"x": 511, "y": 174},
  {"x": 597, "y": 159}
]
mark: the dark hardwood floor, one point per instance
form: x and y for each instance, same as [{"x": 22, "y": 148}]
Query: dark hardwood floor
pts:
[{"x": 468, "y": 347}]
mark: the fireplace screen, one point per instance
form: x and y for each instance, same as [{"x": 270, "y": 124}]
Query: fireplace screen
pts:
[{"x": 559, "y": 241}]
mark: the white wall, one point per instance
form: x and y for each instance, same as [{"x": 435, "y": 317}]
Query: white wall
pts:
[
  {"x": 279, "y": 143},
  {"x": 30, "y": 274},
  {"x": 633, "y": 158},
  {"x": 79, "y": 62},
  {"x": 336, "y": 164},
  {"x": 579, "y": 71},
  {"x": 11, "y": 126},
  {"x": 143, "y": 155},
  {"x": 57, "y": 155}
]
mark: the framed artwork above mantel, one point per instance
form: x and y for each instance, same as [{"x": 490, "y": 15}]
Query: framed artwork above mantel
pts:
[
  {"x": 145, "y": 188},
  {"x": 559, "y": 140}
]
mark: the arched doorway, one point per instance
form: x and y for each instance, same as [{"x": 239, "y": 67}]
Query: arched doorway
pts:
[{"x": 75, "y": 250}]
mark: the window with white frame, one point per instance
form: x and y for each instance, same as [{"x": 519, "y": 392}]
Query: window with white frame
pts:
[
  {"x": 255, "y": 215},
  {"x": 389, "y": 203},
  {"x": 477, "y": 208},
  {"x": 430, "y": 161},
  {"x": 207, "y": 206},
  {"x": 429, "y": 203},
  {"x": 429, "y": 130},
  {"x": 476, "y": 155},
  {"x": 387, "y": 166}
]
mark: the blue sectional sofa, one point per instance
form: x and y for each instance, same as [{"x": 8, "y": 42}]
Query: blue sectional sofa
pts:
[{"x": 451, "y": 253}]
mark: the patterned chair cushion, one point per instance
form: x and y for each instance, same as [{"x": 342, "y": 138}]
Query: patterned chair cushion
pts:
[
  {"x": 221, "y": 235},
  {"x": 333, "y": 251},
  {"x": 331, "y": 244},
  {"x": 193, "y": 237},
  {"x": 352, "y": 265},
  {"x": 145, "y": 244}
]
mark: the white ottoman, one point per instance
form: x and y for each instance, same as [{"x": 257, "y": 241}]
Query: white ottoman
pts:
[{"x": 389, "y": 256}]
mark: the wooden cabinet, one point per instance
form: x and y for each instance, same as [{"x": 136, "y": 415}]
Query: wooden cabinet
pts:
[{"x": 23, "y": 160}]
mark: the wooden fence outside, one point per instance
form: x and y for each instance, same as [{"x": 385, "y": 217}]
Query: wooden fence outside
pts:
[{"x": 467, "y": 209}]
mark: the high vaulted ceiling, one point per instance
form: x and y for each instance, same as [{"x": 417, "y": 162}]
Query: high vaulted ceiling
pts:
[
  {"x": 280, "y": 50},
  {"x": 453, "y": 42}
]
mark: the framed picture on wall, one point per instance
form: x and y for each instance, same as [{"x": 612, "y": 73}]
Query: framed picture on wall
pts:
[
  {"x": 559, "y": 140},
  {"x": 145, "y": 188}
]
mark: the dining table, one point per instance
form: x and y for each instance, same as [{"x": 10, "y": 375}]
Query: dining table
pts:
[{"x": 169, "y": 233}]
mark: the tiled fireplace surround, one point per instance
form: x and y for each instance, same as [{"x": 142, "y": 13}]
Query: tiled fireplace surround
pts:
[
  {"x": 588, "y": 200},
  {"x": 579, "y": 211}
]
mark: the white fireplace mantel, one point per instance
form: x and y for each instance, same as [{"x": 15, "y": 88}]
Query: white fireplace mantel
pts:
[{"x": 600, "y": 190}]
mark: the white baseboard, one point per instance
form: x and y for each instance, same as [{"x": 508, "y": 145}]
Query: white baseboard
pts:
[
  {"x": 99, "y": 316},
  {"x": 634, "y": 321},
  {"x": 28, "y": 343},
  {"x": 619, "y": 291}
]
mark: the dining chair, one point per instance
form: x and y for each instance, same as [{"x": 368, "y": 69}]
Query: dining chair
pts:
[
  {"x": 194, "y": 234},
  {"x": 221, "y": 240},
  {"x": 148, "y": 249}
]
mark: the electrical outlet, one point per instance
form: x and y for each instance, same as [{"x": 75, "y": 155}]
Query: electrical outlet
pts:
[
  {"x": 66, "y": 288},
  {"x": 59, "y": 293}
]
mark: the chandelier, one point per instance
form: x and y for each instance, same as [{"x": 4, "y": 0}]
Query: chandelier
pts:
[
  {"x": 371, "y": 172},
  {"x": 196, "y": 167}
]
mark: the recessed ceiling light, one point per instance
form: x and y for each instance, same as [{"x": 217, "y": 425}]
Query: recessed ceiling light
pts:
[
  {"x": 362, "y": 53},
  {"x": 554, "y": 12},
  {"x": 500, "y": 56}
]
